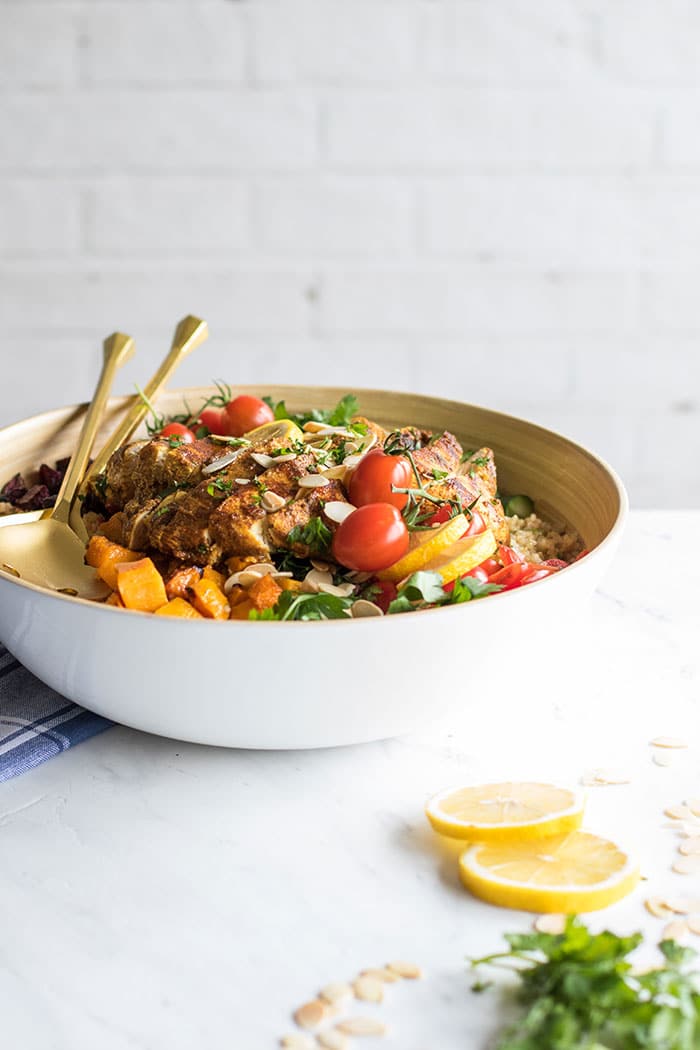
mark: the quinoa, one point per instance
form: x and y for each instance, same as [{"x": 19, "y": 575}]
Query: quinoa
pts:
[{"x": 539, "y": 540}]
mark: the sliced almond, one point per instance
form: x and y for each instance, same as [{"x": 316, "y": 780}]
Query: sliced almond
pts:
[
  {"x": 312, "y": 481},
  {"x": 550, "y": 923},
  {"x": 220, "y": 463},
  {"x": 688, "y": 865},
  {"x": 312, "y": 1013},
  {"x": 322, "y": 566},
  {"x": 286, "y": 457},
  {"x": 693, "y": 805},
  {"x": 323, "y": 429},
  {"x": 336, "y": 992},
  {"x": 662, "y": 758},
  {"x": 678, "y": 812},
  {"x": 361, "y": 1026},
  {"x": 261, "y": 459},
  {"x": 682, "y": 905},
  {"x": 332, "y": 1039},
  {"x": 694, "y": 923},
  {"x": 271, "y": 501},
  {"x": 690, "y": 846},
  {"x": 368, "y": 989},
  {"x": 381, "y": 975},
  {"x": 297, "y": 1041},
  {"x": 350, "y": 462},
  {"x": 334, "y": 473},
  {"x": 610, "y": 776},
  {"x": 362, "y": 608},
  {"x": 675, "y": 931},
  {"x": 408, "y": 970},
  {"x": 340, "y": 590},
  {"x": 657, "y": 907},
  {"x": 668, "y": 741},
  {"x": 313, "y": 579},
  {"x": 336, "y": 510}
]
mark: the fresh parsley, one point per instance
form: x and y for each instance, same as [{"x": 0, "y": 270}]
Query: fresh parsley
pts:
[
  {"x": 425, "y": 590},
  {"x": 580, "y": 992},
  {"x": 315, "y": 535},
  {"x": 219, "y": 488},
  {"x": 292, "y": 605},
  {"x": 340, "y": 416}
]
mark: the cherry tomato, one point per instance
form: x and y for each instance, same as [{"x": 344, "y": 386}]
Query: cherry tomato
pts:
[
  {"x": 478, "y": 573},
  {"x": 490, "y": 566},
  {"x": 555, "y": 563},
  {"x": 178, "y": 430},
  {"x": 370, "y": 539},
  {"x": 245, "y": 413},
  {"x": 537, "y": 572},
  {"x": 510, "y": 576},
  {"x": 509, "y": 556},
  {"x": 215, "y": 420},
  {"x": 386, "y": 593},
  {"x": 444, "y": 513},
  {"x": 372, "y": 478}
]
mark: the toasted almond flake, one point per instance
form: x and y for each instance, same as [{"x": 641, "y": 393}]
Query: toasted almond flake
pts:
[
  {"x": 322, "y": 566},
  {"x": 336, "y": 510},
  {"x": 313, "y": 580},
  {"x": 242, "y": 481},
  {"x": 350, "y": 462},
  {"x": 688, "y": 865},
  {"x": 336, "y": 992},
  {"x": 408, "y": 970},
  {"x": 361, "y": 1026},
  {"x": 312, "y": 1013},
  {"x": 286, "y": 457},
  {"x": 312, "y": 481},
  {"x": 271, "y": 501},
  {"x": 381, "y": 974},
  {"x": 220, "y": 463},
  {"x": 675, "y": 931},
  {"x": 368, "y": 989},
  {"x": 333, "y": 1040},
  {"x": 680, "y": 905},
  {"x": 362, "y": 608},
  {"x": 693, "y": 805},
  {"x": 334, "y": 473},
  {"x": 550, "y": 923},
  {"x": 694, "y": 923},
  {"x": 690, "y": 846},
  {"x": 297, "y": 1041},
  {"x": 657, "y": 907},
  {"x": 668, "y": 741},
  {"x": 662, "y": 758},
  {"x": 610, "y": 776},
  {"x": 261, "y": 459},
  {"x": 678, "y": 812},
  {"x": 323, "y": 429},
  {"x": 340, "y": 590}
]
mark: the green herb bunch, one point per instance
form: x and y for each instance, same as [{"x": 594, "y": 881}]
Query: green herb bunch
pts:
[{"x": 581, "y": 993}]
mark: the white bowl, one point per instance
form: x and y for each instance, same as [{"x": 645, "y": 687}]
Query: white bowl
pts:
[{"x": 303, "y": 685}]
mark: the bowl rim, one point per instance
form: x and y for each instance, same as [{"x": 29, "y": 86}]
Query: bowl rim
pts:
[{"x": 610, "y": 539}]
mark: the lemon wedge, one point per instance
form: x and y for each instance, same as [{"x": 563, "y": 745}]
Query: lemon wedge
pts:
[
  {"x": 570, "y": 873},
  {"x": 426, "y": 547},
  {"x": 463, "y": 556},
  {"x": 279, "y": 430},
  {"x": 507, "y": 812}
]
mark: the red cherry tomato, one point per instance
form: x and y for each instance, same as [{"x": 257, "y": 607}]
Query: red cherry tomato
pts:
[
  {"x": 215, "y": 420},
  {"x": 178, "y": 430},
  {"x": 510, "y": 576},
  {"x": 509, "y": 556},
  {"x": 444, "y": 513},
  {"x": 372, "y": 478},
  {"x": 478, "y": 573},
  {"x": 245, "y": 413},
  {"x": 370, "y": 539},
  {"x": 555, "y": 563},
  {"x": 384, "y": 593},
  {"x": 490, "y": 566}
]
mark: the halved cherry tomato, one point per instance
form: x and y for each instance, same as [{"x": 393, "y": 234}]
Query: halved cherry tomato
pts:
[
  {"x": 370, "y": 539},
  {"x": 384, "y": 593},
  {"x": 444, "y": 513},
  {"x": 373, "y": 477},
  {"x": 538, "y": 572},
  {"x": 178, "y": 430},
  {"x": 478, "y": 573},
  {"x": 490, "y": 566},
  {"x": 245, "y": 412},
  {"x": 511, "y": 575},
  {"x": 215, "y": 420},
  {"x": 508, "y": 555}
]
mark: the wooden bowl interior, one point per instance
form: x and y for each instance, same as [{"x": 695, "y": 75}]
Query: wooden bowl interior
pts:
[{"x": 567, "y": 482}]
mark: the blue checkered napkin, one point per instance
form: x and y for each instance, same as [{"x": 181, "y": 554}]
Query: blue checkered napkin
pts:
[{"x": 36, "y": 723}]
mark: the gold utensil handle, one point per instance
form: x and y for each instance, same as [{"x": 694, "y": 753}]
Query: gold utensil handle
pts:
[
  {"x": 190, "y": 333},
  {"x": 116, "y": 350}
]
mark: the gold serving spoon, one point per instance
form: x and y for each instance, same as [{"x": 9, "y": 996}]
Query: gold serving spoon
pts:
[
  {"x": 41, "y": 547},
  {"x": 65, "y": 562}
]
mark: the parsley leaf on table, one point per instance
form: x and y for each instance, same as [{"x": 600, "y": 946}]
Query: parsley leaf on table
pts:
[{"x": 581, "y": 993}]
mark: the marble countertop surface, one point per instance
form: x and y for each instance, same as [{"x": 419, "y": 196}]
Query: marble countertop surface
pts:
[{"x": 165, "y": 896}]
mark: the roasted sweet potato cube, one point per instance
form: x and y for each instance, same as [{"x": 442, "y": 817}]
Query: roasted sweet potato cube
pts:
[
  {"x": 140, "y": 585},
  {"x": 264, "y": 593},
  {"x": 237, "y": 561},
  {"x": 179, "y": 607},
  {"x": 105, "y": 556},
  {"x": 288, "y": 585},
  {"x": 237, "y": 594},
  {"x": 209, "y": 600},
  {"x": 213, "y": 574},
  {"x": 114, "y": 599},
  {"x": 241, "y": 610},
  {"x": 180, "y": 582}
]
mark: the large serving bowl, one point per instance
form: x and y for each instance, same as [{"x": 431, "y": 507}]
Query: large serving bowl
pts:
[{"x": 297, "y": 684}]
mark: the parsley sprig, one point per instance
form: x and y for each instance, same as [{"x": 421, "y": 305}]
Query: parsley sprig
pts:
[
  {"x": 340, "y": 416},
  {"x": 315, "y": 535},
  {"x": 291, "y": 605},
  {"x": 425, "y": 590},
  {"x": 581, "y": 993}
]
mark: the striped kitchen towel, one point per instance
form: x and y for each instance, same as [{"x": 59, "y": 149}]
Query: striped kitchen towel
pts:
[{"x": 36, "y": 723}]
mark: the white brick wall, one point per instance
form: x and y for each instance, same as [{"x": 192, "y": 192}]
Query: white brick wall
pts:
[{"x": 493, "y": 199}]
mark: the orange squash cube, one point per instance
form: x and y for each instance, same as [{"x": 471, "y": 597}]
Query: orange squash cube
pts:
[
  {"x": 264, "y": 593},
  {"x": 179, "y": 607},
  {"x": 140, "y": 585},
  {"x": 105, "y": 556},
  {"x": 209, "y": 599}
]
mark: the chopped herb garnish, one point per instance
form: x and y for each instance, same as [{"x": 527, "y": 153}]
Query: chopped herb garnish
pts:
[
  {"x": 340, "y": 416},
  {"x": 425, "y": 589},
  {"x": 220, "y": 488},
  {"x": 580, "y": 992},
  {"x": 438, "y": 475},
  {"x": 100, "y": 485},
  {"x": 291, "y": 605},
  {"x": 174, "y": 441},
  {"x": 315, "y": 535}
]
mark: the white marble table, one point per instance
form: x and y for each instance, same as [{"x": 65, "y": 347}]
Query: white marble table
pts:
[{"x": 163, "y": 896}]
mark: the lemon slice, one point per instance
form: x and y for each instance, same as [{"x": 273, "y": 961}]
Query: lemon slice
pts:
[
  {"x": 281, "y": 430},
  {"x": 569, "y": 873},
  {"x": 508, "y": 812},
  {"x": 463, "y": 556},
  {"x": 428, "y": 547}
]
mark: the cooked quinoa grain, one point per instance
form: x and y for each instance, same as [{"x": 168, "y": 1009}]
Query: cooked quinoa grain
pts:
[{"x": 539, "y": 540}]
